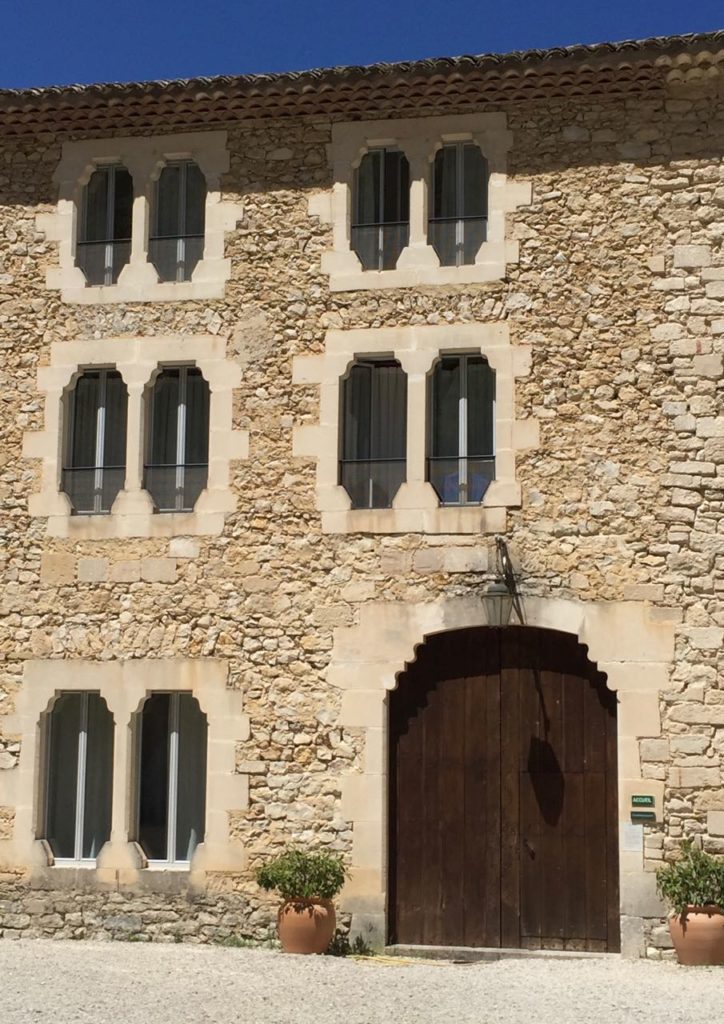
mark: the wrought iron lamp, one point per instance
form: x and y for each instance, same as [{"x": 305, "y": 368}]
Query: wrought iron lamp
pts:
[{"x": 502, "y": 596}]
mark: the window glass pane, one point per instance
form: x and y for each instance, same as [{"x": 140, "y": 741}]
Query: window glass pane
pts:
[
  {"x": 191, "y": 789},
  {"x": 64, "y": 730},
  {"x": 116, "y": 420},
  {"x": 164, "y": 418},
  {"x": 122, "y": 205},
  {"x": 368, "y": 188},
  {"x": 95, "y": 226},
  {"x": 374, "y": 431},
  {"x": 98, "y": 777},
  {"x": 396, "y": 200},
  {"x": 153, "y": 777},
  {"x": 475, "y": 185},
  {"x": 84, "y": 421},
  {"x": 197, "y": 418},
  {"x": 195, "y": 200},
  {"x": 481, "y": 397},
  {"x": 445, "y": 439},
  {"x": 445, "y": 179},
  {"x": 167, "y": 221}
]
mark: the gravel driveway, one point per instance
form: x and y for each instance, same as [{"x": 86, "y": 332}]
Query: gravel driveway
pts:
[{"x": 138, "y": 983}]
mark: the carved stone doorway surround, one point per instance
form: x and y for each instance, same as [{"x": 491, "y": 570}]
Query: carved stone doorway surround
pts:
[{"x": 629, "y": 643}]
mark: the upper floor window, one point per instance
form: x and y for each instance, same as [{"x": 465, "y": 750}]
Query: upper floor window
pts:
[
  {"x": 172, "y": 777},
  {"x": 461, "y": 448},
  {"x": 104, "y": 236},
  {"x": 176, "y": 242},
  {"x": 381, "y": 221},
  {"x": 459, "y": 206},
  {"x": 374, "y": 429},
  {"x": 177, "y": 462},
  {"x": 79, "y": 776},
  {"x": 94, "y": 466}
]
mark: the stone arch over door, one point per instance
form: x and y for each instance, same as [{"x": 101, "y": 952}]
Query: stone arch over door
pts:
[
  {"x": 630, "y": 641},
  {"x": 503, "y": 802}
]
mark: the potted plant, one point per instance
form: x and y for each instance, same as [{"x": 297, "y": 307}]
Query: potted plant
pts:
[
  {"x": 307, "y": 883},
  {"x": 693, "y": 886}
]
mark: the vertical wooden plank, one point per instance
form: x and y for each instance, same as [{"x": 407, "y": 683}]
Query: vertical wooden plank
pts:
[
  {"x": 451, "y": 793},
  {"x": 510, "y": 638},
  {"x": 573, "y": 835},
  {"x": 429, "y": 849},
  {"x": 595, "y": 809},
  {"x": 482, "y": 791},
  {"x": 551, "y": 789},
  {"x": 531, "y": 896}
]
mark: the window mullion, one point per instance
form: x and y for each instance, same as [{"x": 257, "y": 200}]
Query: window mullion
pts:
[
  {"x": 110, "y": 223},
  {"x": 181, "y": 436},
  {"x": 181, "y": 241},
  {"x": 173, "y": 744},
  {"x": 99, "y": 456},
  {"x": 463, "y": 430},
  {"x": 81, "y": 778}
]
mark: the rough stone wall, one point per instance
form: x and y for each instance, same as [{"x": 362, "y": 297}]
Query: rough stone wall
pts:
[{"x": 620, "y": 291}]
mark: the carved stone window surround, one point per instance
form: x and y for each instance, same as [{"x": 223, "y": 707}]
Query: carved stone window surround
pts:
[
  {"x": 419, "y": 139},
  {"x": 144, "y": 158}
]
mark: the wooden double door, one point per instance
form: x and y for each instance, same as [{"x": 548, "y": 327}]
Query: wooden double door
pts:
[{"x": 503, "y": 794}]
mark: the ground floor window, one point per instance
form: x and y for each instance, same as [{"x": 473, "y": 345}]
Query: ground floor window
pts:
[
  {"x": 79, "y": 776},
  {"x": 172, "y": 777}
]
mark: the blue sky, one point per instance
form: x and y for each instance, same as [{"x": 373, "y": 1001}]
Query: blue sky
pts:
[{"x": 51, "y": 42}]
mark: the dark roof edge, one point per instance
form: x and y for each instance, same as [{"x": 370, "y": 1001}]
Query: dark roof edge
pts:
[{"x": 629, "y": 47}]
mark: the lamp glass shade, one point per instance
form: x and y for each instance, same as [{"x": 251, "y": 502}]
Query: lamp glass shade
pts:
[{"x": 498, "y": 604}]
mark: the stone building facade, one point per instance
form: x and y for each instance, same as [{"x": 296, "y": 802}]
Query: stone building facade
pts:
[{"x": 598, "y": 300}]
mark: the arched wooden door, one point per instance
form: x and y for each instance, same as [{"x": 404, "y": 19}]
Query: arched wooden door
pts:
[{"x": 503, "y": 794}]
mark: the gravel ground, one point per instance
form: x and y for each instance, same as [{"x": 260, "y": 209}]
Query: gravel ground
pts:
[{"x": 139, "y": 983}]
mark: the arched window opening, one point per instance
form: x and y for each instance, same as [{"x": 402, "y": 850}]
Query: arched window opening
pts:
[
  {"x": 374, "y": 432},
  {"x": 459, "y": 207},
  {"x": 176, "y": 241},
  {"x": 79, "y": 776},
  {"x": 177, "y": 456},
  {"x": 104, "y": 232},
  {"x": 94, "y": 464},
  {"x": 381, "y": 217},
  {"x": 461, "y": 446},
  {"x": 172, "y": 777}
]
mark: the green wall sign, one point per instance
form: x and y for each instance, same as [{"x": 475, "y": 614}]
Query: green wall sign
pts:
[
  {"x": 639, "y": 817},
  {"x": 642, "y": 801}
]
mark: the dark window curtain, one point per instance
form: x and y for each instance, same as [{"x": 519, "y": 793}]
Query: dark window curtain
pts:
[
  {"x": 168, "y": 186},
  {"x": 374, "y": 433},
  {"x": 396, "y": 205},
  {"x": 123, "y": 205},
  {"x": 114, "y": 445},
  {"x": 164, "y": 419},
  {"x": 62, "y": 796},
  {"x": 475, "y": 183},
  {"x": 445, "y": 406},
  {"x": 195, "y": 200},
  {"x": 445, "y": 182},
  {"x": 191, "y": 804},
  {"x": 84, "y": 421},
  {"x": 153, "y": 781},
  {"x": 197, "y": 419},
  {"x": 369, "y": 198},
  {"x": 94, "y": 223},
  {"x": 98, "y": 777},
  {"x": 481, "y": 408}
]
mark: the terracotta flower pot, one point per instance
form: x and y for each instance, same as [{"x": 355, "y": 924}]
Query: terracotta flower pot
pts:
[
  {"x": 306, "y": 926},
  {"x": 698, "y": 936}
]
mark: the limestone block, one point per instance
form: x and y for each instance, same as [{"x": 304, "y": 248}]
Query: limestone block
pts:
[
  {"x": 57, "y": 567},
  {"x": 715, "y": 823},
  {"x": 689, "y": 744},
  {"x": 92, "y": 570},
  {"x": 707, "y": 366},
  {"x": 710, "y": 426},
  {"x": 358, "y": 590},
  {"x": 183, "y": 547},
  {"x": 125, "y": 571},
  {"x": 697, "y": 714},
  {"x": 692, "y": 256},
  {"x": 643, "y": 592},
  {"x": 693, "y": 778},
  {"x": 704, "y": 638},
  {"x": 468, "y": 559},
  {"x": 654, "y": 750},
  {"x": 426, "y": 560},
  {"x": 639, "y": 714},
  {"x": 158, "y": 570}
]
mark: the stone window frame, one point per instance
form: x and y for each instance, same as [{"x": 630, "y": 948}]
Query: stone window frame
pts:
[
  {"x": 416, "y": 507},
  {"x": 144, "y": 158},
  {"x": 125, "y": 685},
  {"x": 137, "y": 360},
  {"x": 419, "y": 139}
]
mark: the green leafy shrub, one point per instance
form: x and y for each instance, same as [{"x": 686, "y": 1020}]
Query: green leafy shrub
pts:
[
  {"x": 297, "y": 875},
  {"x": 695, "y": 880}
]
